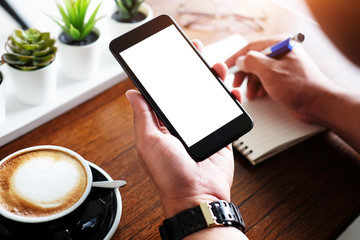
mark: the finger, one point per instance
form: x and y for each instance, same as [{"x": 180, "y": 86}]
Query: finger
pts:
[
  {"x": 256, "y": 46},
  {"x": 261, "y": 92},
  {"x": 221, "y": 70},
  {"x": 253, "y": 85},
  {"x": 239, "y": 79},
  {"x": 231, "y": 61},
  {"x": 237, "y": 93},
  {"x": 198, "y": 44},
  {"x": 254, "y": 62}
]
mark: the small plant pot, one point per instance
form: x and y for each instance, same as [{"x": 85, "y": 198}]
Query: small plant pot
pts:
[
  {"x": 79, "y": 62},
  {"x": 117, "y": 28},
  {"x": 2, "y": 99},
  {"x": 34, "y": 87}
]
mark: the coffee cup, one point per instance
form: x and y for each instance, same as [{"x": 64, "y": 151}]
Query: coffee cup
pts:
[{"x": 43, "y": 183}]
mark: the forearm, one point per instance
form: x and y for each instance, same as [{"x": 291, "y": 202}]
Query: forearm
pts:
[
  {"x": 339, "y": 110},
  {"x": 218, "y": 233}
]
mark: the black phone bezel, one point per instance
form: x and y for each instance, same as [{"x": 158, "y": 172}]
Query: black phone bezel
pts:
[{"x": 214, "y": 141}]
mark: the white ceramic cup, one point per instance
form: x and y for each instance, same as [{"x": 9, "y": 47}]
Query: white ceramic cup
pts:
[{"x": 43, "y": 183}]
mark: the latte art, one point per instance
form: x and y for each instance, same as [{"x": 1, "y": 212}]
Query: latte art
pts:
[{"x": 41, "y": 183}]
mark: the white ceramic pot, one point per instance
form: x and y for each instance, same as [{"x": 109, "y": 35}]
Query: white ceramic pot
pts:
[
  {"x": 116, "y": 28},
  {"x": 79, "y": 62},
  {"x": 2, "y": 99},
  {"x": 34, "y": 87}
]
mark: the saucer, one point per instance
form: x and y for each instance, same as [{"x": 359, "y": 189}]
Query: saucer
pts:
[{"x": 97, "y": 218}]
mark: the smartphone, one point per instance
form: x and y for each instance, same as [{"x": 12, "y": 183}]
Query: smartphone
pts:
[{"x": 185, "y": 93}]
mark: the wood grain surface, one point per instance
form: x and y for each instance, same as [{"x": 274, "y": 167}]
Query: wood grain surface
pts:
[{"x": 310, "y": 191}]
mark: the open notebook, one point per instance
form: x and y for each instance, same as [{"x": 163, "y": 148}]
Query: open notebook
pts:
[{"x": 275, "y": 129}]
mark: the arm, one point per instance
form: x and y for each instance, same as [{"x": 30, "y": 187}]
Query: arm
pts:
[
  {"x": 339, "y": 110},
  {"x": 181, "y": 182},
  {"x": 297, "y": 83}
]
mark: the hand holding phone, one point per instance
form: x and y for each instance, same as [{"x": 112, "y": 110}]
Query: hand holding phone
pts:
[{"x": 172, "y": 76}]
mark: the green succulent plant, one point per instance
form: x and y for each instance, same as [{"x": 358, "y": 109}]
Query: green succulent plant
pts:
[
  {"x": 72, "y": 19},
  {"x": 29, "y": 50},
  {"x": 128, "y": 8}
]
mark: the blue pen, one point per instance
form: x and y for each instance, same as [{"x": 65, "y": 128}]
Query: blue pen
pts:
[{"x": 278, "y": 50}]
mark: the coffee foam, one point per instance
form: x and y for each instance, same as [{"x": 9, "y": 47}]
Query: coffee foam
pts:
[{"x": 41, "y": 183}]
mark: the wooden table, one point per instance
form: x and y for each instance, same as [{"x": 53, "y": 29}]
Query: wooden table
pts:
[{"x": 311, "y": 191}]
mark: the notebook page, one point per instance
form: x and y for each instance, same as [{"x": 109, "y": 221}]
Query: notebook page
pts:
[{"x": 275, "y": 129}]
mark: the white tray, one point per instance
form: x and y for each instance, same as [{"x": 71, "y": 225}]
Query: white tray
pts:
[{"x": 21, "y": 118}]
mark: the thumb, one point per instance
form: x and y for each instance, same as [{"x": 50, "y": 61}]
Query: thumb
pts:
[{"x": 145, "y": 121}]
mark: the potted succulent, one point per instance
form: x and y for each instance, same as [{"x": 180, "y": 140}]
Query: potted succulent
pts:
[
  {"x": 2, "y": 98},
  {"x": 30, "y": 56},
  {"x": 127, "y": 15},
  {"x": 79, "y": 50}
]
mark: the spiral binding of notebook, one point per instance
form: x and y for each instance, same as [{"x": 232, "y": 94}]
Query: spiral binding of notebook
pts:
[{"x": 242, "y": 148}]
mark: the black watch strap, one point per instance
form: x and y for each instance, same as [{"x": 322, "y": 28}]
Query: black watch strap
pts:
[{"x": 219, "y": 213}]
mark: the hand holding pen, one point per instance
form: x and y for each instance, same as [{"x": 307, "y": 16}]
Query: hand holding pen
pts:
[
  {"x": 285, "y": 81},
  {"x": 277, "y": 50}
]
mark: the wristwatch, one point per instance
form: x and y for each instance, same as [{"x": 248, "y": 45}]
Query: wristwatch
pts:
[{"x": 219, "y": 213}]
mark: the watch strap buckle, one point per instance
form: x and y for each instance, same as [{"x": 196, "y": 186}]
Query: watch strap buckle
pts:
[
  {"x": 227, "y": 214},
  {"x": 208, "y": 214}
]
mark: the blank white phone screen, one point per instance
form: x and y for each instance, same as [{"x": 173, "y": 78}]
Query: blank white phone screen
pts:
[{"x": 181, "y": 84}]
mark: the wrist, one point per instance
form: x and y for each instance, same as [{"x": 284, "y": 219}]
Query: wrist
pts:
[
  {"x": 318, "y": 101},
  {"x": 337, "y": 112},
  {"x": 324, "y": 110}
]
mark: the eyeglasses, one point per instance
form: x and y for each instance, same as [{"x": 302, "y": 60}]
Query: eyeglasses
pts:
[{"x": 228, "y": 15}]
